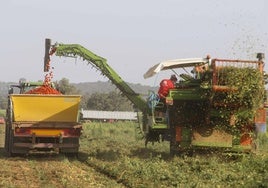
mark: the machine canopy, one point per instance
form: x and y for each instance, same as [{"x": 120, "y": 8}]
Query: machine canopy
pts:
[{"x": 176, "y": 63}]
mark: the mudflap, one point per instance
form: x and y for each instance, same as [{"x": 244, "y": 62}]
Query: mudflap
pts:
[{"x": 72, "y": 146}]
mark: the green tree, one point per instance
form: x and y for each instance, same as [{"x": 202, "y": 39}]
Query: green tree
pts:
[
  {"x": 112, "y": 101},
  {"x": 84, "y": 100},
  {"x": 65, "y": 87},
  {"x": 3, "y": 102}
]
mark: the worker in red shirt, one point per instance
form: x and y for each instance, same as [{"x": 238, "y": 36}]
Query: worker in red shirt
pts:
[{"x": 165, "y": 86}]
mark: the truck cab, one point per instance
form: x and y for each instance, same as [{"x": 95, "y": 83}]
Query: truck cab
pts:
[{"x": 24, "y": 87}]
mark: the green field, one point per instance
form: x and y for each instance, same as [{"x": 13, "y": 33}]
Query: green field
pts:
[
  {"x": 117, "y": 150},
  {"x": 114, "y": 155},
  {"x": 2, "y": 112}
]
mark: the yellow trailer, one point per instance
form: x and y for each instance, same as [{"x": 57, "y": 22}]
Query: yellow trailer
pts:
[
  {"x": 42, "y": 123},
  {"x": 45, "y": 108}
]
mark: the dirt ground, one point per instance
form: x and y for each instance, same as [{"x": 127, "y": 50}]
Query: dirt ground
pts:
[{"x": 48, "y": 171}]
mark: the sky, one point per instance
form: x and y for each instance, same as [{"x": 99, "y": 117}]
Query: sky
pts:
[{"x": 131, "y": 35}]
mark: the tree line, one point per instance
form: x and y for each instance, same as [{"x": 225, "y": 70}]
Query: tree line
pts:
[{"x": 111, "y": 101}]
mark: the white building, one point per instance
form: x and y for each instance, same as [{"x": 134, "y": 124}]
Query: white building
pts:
[{"x": 93, "y": 115}]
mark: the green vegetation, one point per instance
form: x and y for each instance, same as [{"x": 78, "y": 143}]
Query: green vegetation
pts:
[
  {"x": 65, "y": 87},
  {"x": 111, "y": 101},
  {"x": 262, "y": 142},
  {"x": 2, "y": 112},
  {"x": 116, "y": 150},
  {"x": 114, "y": 156},
  {"x": 247, "y": 81},
  {"x": 248, "y": 94}
]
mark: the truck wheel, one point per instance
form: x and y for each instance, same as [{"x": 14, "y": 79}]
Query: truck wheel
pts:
[
  {"x": 71, "y": 155},
  {"x": 9, "y": 144},
  {"x": 73, "y": 151},
  {"x": 6, "y": 138}
]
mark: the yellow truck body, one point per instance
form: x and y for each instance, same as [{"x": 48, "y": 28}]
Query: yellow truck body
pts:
[
  {"x": 45, "y": 108},
  {"x": 43, "y": 122}
]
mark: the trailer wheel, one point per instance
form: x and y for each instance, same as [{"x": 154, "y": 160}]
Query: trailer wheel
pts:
[
  {"x": 9, "y": 142},
  {"x": 71, "y": 155},
  {"x": 6, "y": 137},
  {"x": 72, "y": 151}
]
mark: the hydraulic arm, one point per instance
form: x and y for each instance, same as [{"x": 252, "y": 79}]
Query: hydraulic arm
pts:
[{"x": 76, "y": 50}]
